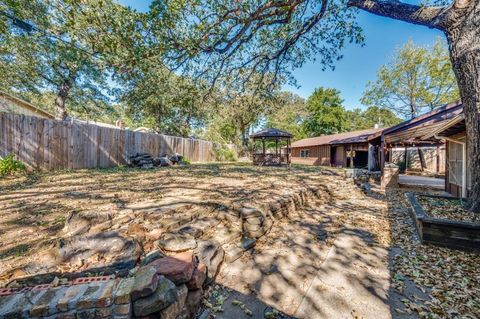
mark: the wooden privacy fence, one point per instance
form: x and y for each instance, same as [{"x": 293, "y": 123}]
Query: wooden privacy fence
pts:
[{"x": 50, "y": 144}]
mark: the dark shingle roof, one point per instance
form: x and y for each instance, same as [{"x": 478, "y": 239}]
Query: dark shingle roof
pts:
[
  {"x": 271, "y": 132},
  {"x": 340, "y": 138}
]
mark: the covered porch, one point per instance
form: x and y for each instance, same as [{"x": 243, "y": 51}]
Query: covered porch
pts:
[{"x": 417, "y": 133}]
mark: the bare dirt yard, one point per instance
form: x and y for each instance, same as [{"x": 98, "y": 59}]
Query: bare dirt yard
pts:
[
  {"x": 34, "y": 210},
  {"x": 344, "y": 253}
]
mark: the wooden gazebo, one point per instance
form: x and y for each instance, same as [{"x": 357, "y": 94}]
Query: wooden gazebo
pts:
[{"x": 272, "y": 154}]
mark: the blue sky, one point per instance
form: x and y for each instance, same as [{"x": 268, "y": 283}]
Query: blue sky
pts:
[{"x": 359, "y": 64}]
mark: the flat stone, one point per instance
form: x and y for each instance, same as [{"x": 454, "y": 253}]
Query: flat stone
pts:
[
  {"x": 122, "y": 310},
  {"x": 248, "y": 243},
  {"x": 105, "y": 297},
  {"x": 198, "y": 277},
  {"x": 164, "y": 296},
  {"x": 205, "y": 223},
  {"x": 211, "y": 254},
  {"x": 189, "y": 230},
  {"x": 177, "y": 242},
  {"x": 146, "y": 280},
  {"x": 45, "y": 305},
  {"x": 18, "y": 305},
  {"x": 110, "y": 247},
  {"x": 194, "y": 298},
  {"x": 214, "y": 267},
  {"x": 123, "y": 291},
  {"x": 177, "y": 268},
  {"x": 224, "y": 235},
  {"x": 89, "y": 297},
  {"x": 172, "y": 222},
  {"x": 174, "y": 310},
  {"x": 104, "y": 312},
  {"x": 69, "y": 300},
  {"x": 80, "y": 222},
  {"x": 151, "y": 256},
  {"x": 233, "y": 252}
]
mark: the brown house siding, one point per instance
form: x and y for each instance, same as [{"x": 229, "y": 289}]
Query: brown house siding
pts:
[{"x": 319, "y": 155}]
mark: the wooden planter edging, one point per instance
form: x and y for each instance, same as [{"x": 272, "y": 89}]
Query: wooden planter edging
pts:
[{"x": 443, "y": 232}]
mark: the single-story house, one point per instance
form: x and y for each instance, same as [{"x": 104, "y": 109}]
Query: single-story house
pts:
[
  {"x": 357, "y": 149},
  {"x": 15, "y": 105}
]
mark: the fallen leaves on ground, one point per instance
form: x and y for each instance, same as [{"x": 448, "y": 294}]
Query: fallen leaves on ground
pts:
[
  {"x": 452, "y": 209},
  {"x": 451, "y": 278}
]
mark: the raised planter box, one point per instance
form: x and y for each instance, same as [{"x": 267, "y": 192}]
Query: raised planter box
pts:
[{"x": 443, "y": 232}]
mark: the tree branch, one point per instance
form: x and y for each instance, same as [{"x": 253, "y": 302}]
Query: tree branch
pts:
[{"x": 426, "y": 16}]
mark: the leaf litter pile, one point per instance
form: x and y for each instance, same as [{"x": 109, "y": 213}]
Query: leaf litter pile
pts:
[
  {"x": 449, "y": 278},
  {"x": 444, "y": 208}
]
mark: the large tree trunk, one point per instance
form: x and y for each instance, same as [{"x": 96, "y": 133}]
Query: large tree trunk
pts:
[
  {"x": 464, "y": 42},
  {"x": 60, "y": 100}
]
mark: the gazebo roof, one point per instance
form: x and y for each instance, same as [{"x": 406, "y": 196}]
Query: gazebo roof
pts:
[{"x": 271, "y": 132}]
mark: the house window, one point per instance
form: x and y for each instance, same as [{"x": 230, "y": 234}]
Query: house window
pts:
[{"x": 304, "y": 153}]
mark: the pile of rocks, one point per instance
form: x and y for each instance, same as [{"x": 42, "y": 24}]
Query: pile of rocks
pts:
[
  {"x": 166, "y": 287},
  {"x": 146, "y": 161}
]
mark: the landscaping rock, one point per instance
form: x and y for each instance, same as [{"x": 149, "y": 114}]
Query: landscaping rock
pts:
[
  {"x": 164, "y": 162},
  {"x": 224, "y": 235},
  {"x": 174, "y": 310},
  {"x": 211, "y": 254},
  {"x": 177, "y": 268},
  {"x": 177, "y": 242},
  {"x": 248, "y": 243},
  {"x": 194, "y": 299},
  {"x": 233, "y": 252},
  {"x": 164, "y": 296},
  {"x": 81, "y": 222},
  {"x": 100, "y": 249},
  {"x": 189, "y": 230},
  {"x": 250, "y": 212},
  {"x": 146, "y": 280},
  {"x": 198, "y": 277},
  {"x": 123, "y": 291},
  {"x": 151, "y": 256}
]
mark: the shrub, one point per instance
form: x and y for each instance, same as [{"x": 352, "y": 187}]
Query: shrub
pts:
[
  {"x": 9, "y": 165},
  {"x": 224, "y": 153}
]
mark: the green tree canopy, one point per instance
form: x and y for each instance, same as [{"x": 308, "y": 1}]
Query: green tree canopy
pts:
[
  {"x": 288, "y": 115},
  {"x": 325, "y": 113},
  {"x": 67, "y": 48},
  {"x": 359, "y": 119},
  {"x": 417, "y": 79}
]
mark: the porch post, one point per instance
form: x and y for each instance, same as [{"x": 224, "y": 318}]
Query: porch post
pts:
[
  {"x": 351, "y": 156},
  {"x": 371, "y": 157}
]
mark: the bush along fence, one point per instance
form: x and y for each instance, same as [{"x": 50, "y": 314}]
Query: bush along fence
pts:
[{"x": 50, "y": 144}]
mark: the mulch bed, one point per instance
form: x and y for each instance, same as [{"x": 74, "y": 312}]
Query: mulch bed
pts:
[{"x": 451, "y": 209}]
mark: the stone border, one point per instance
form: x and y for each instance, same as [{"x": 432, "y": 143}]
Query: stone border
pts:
[
  {"x": 166, "y": 286},
  {"x": 443, "y": 232}
]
